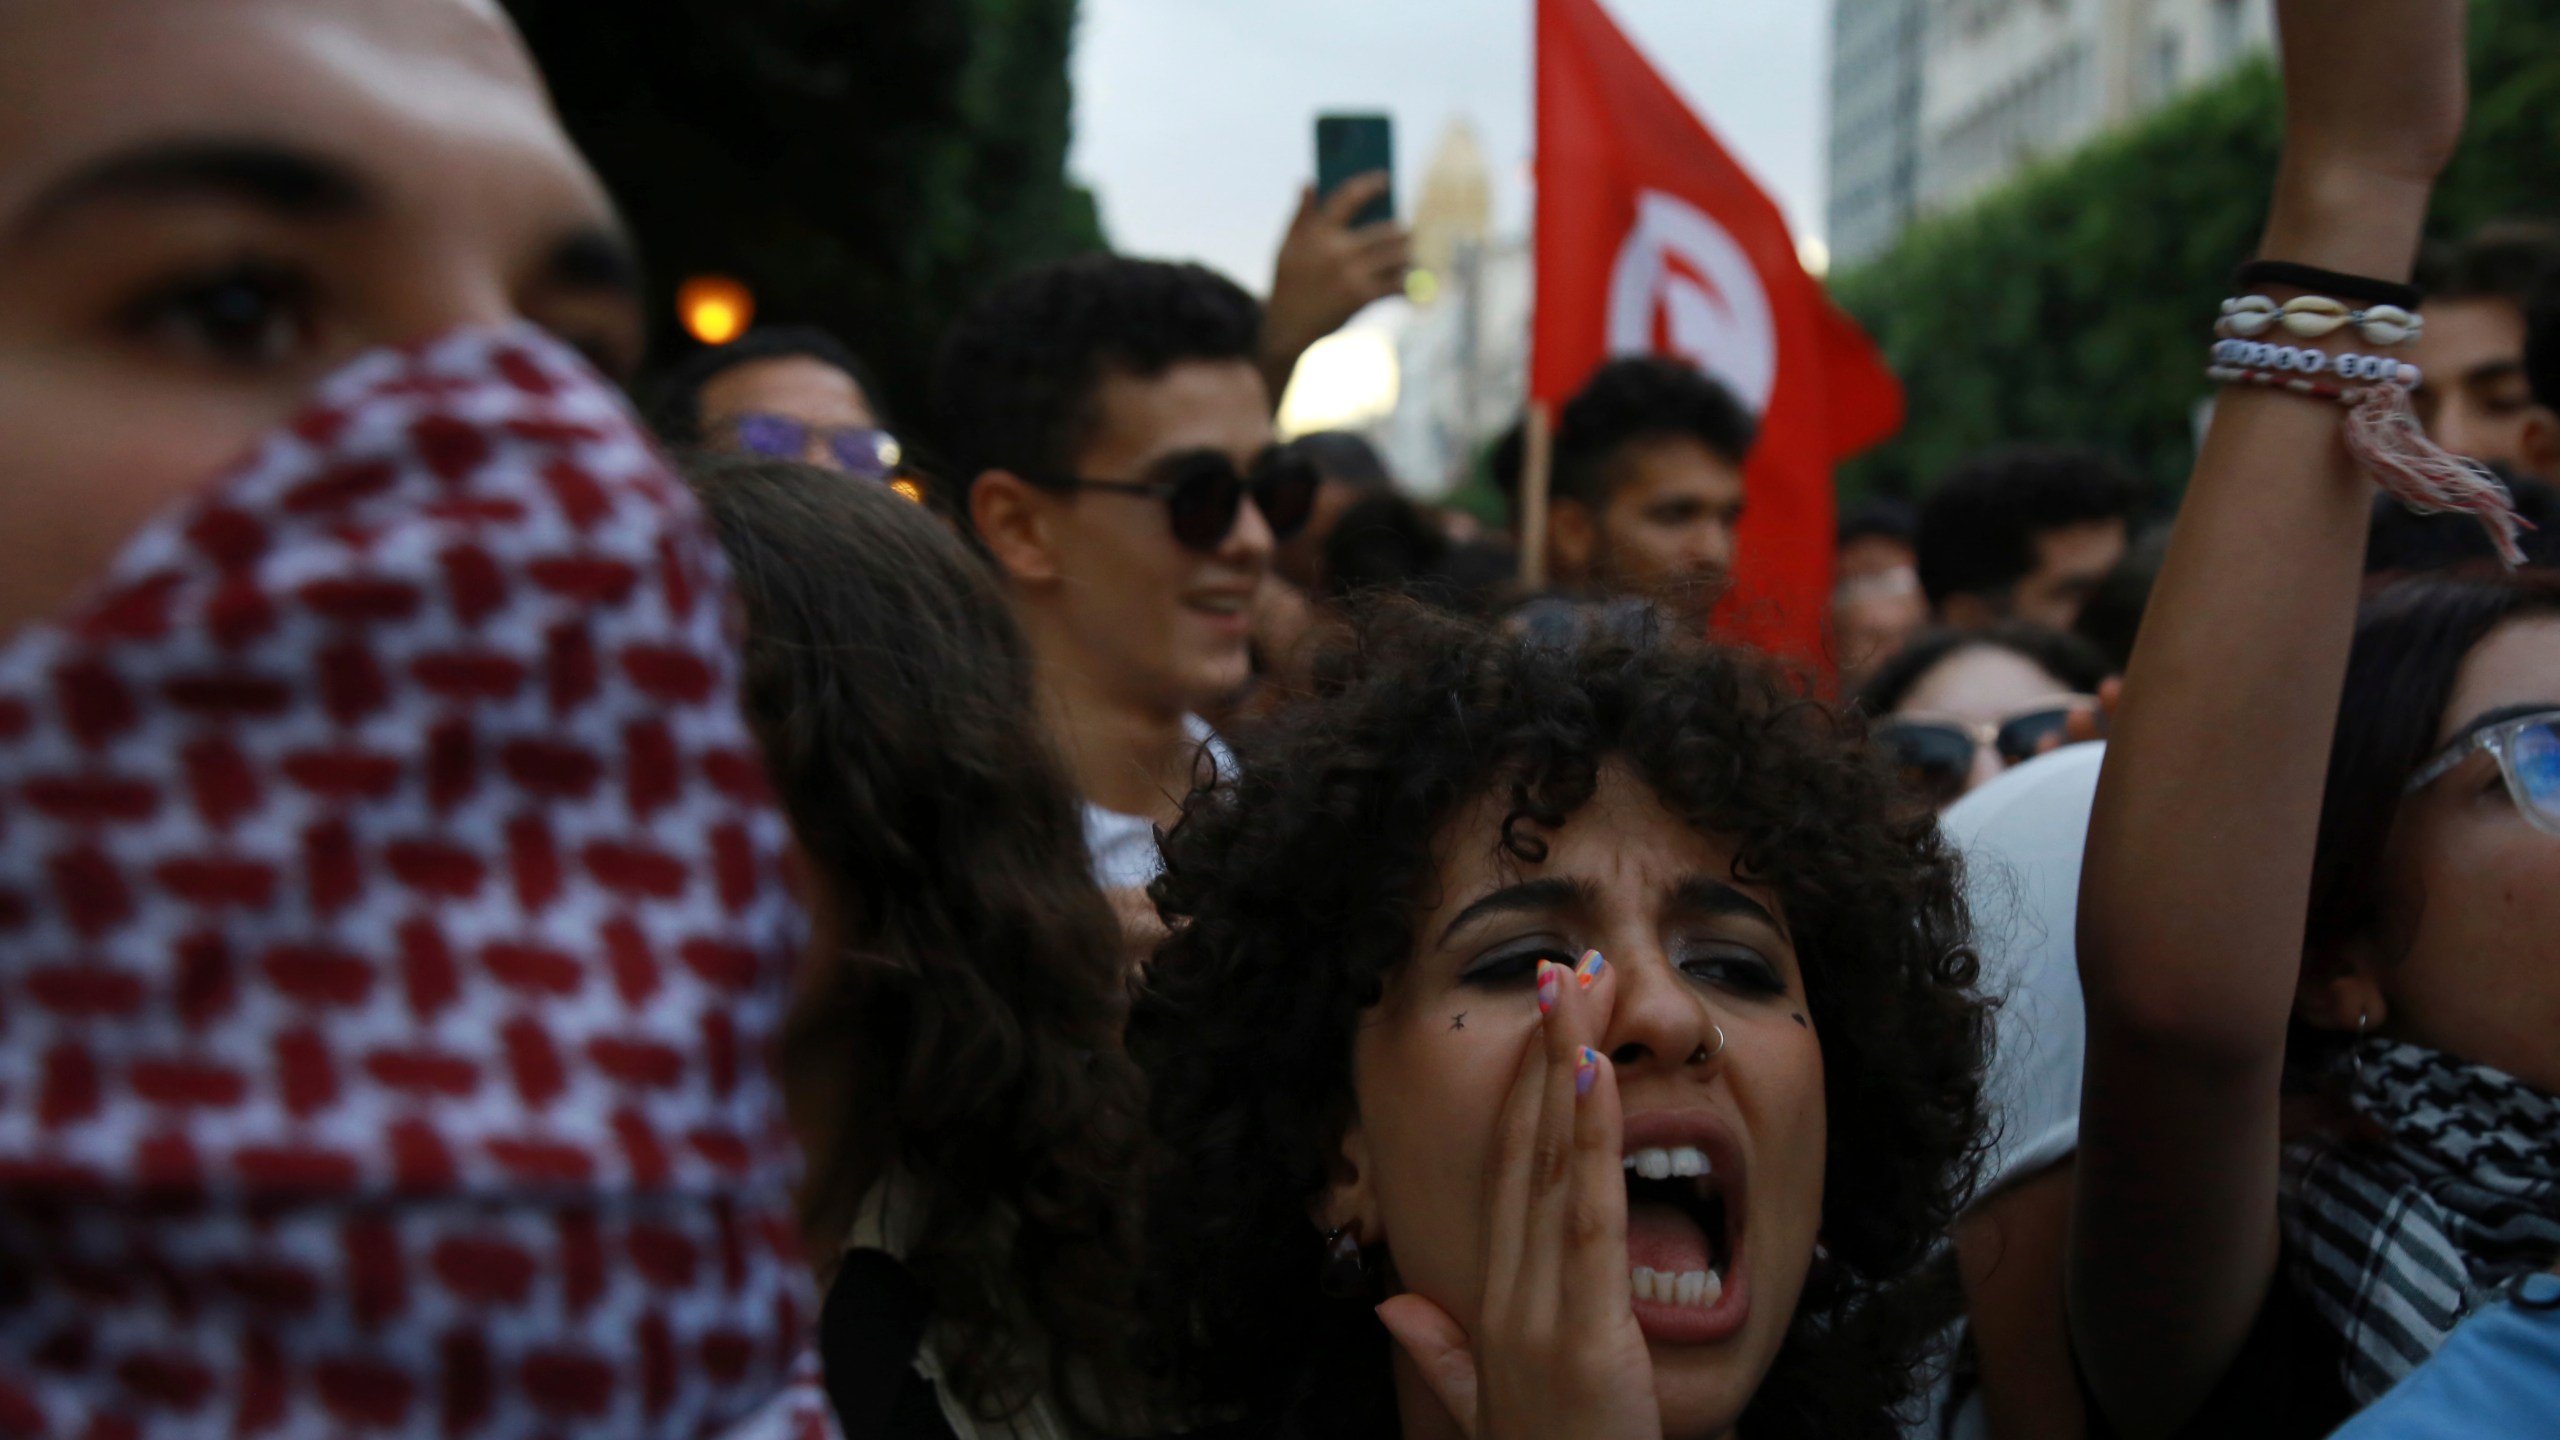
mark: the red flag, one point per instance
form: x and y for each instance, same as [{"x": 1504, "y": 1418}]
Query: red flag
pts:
[{"x": 1651, "y": 238}]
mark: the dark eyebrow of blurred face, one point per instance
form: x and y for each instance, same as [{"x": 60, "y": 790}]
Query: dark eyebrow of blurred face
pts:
[{"x": 260, "y": 174}]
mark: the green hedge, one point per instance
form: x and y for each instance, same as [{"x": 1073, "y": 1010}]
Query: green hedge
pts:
[{"x": 2071, "y": 305}]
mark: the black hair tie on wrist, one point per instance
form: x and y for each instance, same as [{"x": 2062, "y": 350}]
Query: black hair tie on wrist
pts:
[{"x": 2326, "y": 282}]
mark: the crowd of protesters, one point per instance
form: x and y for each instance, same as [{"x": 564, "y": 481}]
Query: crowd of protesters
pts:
[{"x": 1124, "y": 926}]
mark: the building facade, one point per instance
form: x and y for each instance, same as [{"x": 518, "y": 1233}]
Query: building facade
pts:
[
  {"x": 2001, "y": 84},
  {"x": 1876, "y": 54}
]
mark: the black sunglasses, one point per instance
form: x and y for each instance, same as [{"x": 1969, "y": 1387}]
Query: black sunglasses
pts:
[
  {"x": 1203, "y": 492},
  {"x": 1936, "y": 756}
]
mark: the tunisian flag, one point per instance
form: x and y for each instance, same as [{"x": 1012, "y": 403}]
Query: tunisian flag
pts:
[{"x": 1651, "y": 238}]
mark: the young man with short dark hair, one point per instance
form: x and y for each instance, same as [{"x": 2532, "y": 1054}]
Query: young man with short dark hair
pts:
[
  {"x": 2024, "y": 534},
  {"x": 2475, "y": 398},
  {"x": 1647, "y": 484},
  {"x": 1112, "y": 433}
]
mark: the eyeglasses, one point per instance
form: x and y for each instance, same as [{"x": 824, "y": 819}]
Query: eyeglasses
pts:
[
  {"x": 870, "y": 453},
  {"x": 2528, "y": 753},
  {"x": 1203, "y": 492},
  {"x": 1935, "y": 754}
]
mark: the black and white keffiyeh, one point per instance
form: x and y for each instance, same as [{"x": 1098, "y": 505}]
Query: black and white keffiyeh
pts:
[{"x": 2394, "y": 1245}]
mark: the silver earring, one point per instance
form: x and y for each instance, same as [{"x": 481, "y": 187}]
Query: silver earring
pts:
[
  {"x": 1702, "y": 1054},
  {"x": 1346, "y": 1271}
]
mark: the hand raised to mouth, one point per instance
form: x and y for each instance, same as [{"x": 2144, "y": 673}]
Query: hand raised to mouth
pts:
[{"x": 1557, "y": 1350}]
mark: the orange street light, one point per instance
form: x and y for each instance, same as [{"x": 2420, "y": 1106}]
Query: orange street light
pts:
[{"x": 715, "y": 309}]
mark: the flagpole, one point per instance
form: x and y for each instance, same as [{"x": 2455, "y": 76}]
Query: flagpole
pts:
[{"x": 1537, "y": 452}]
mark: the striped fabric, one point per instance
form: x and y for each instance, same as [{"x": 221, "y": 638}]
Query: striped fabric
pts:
[{"x": 2395, "y": 1245}]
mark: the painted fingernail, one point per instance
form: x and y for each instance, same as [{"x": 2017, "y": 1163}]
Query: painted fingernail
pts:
[
  {"x": 1589, "y": 970},
  {"x": 1586, "y": 1070},
  {"x": 1550, "y": 983}
]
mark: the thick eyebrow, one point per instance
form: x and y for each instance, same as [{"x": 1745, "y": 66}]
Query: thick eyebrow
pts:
[
  {"x": 2499, "y": 716},
  {"x": 2488, "y": 370},
  {"x": 1529, "y": 896},
  {"x": 263, "y": 175},
  {"x": 595, "y": 257},
  {"x": 1707, "y": 896}
]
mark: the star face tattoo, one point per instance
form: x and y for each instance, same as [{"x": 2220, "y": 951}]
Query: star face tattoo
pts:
[
  {"x": 1799, "y": 1021},
  {"x": 1458, "y": 1021}
]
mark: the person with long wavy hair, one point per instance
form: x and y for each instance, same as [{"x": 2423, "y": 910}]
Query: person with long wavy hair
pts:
[
  {"x": 952, "y": 1060},
  {"x": 1559, "y": 1033}
]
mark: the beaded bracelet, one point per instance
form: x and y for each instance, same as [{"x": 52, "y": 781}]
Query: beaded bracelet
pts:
[
  {"x": 2384, "y": 436},
  {"x": 2259, "y": 355},
  {"x": 2277, "y": 380},
  {"x": 2312, "y": 316}
]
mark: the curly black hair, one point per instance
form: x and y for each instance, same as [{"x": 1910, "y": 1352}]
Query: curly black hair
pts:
[
  {"x": 1015, "y": 380},
  {"x": 965, "y": 1026},
  {"x": 1294, "y": 890}
]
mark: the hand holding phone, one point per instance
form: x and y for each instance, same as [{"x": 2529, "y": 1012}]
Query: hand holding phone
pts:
[{"x": 1334, "y": 262}]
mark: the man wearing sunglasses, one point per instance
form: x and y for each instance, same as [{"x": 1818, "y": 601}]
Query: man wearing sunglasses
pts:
[
  {"x": 1113, "y": 434},
  {"x": 789, "y": 392}
]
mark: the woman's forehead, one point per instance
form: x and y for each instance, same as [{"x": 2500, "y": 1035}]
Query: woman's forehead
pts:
[
  {"x": 1624, "y": 838},
  {"x": 2516, "y": 664},
  {"x": 392, "y": 87}
]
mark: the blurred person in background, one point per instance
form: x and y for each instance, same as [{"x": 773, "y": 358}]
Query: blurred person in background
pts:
[
  {"x": 1349, "y": 470},
  {"x": 786, "y": 392},
  {"x": 2475, "y": 398},
  {"x": 952, "y": 1059},
  {"x": 2400, "y": 541},
  {"x": 2023, "y": 534},
  {"x": 1957, "y": 707},
  {"x": 2111, "y": 617},
  {"x": 395, "y": 915},
  {"x": 1647, "y": 485},
  {"x": 1876, "y": 604},
  {"x": 1111, "y": 429}
]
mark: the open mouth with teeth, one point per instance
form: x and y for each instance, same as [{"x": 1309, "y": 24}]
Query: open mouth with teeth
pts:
[{"x": 1682, "y": 1239}]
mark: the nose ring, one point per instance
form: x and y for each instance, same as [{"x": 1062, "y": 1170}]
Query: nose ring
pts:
[{"x": 1702, "y": 1054}]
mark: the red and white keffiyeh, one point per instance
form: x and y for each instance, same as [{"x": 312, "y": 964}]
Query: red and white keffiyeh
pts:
[{"x": 391, "y": 927}]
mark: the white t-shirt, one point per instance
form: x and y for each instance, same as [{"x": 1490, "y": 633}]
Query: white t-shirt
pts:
[
  {"x": 1124, "y": 846},
  {"x": 2023, "y": 835}
]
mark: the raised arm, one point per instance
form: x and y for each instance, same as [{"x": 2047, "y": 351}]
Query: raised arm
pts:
[{"x": 2198, "y": 873}]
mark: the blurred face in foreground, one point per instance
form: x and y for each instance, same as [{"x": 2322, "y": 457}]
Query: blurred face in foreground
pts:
[
  {"x": 207, "y": 207},
  {"x": 1725, "y": 1140}
]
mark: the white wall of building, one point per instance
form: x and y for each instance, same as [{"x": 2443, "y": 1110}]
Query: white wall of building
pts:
[{"x": 2004, "y": 83}]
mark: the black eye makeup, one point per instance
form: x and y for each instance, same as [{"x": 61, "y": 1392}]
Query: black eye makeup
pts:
[
  {"x": 1516, "y": 962},
  {"x": 1732, "y": 967}
]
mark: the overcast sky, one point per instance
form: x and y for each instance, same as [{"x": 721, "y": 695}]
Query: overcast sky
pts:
[{"x": 1195, "y": 118}]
